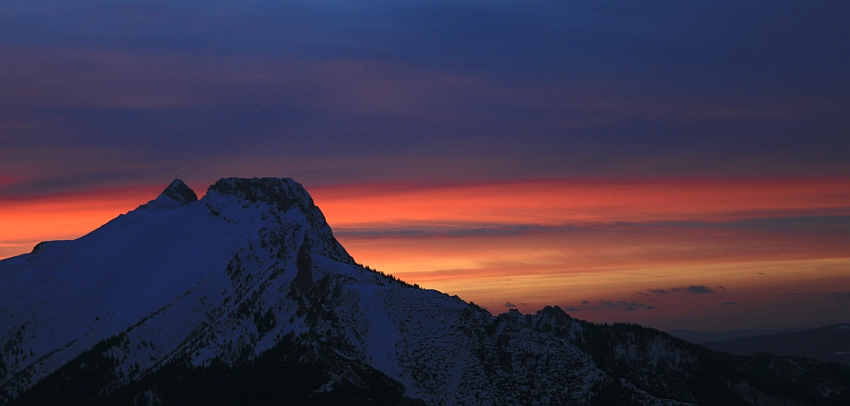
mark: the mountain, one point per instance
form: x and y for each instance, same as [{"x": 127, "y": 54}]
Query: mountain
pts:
[
  {"x": 828, "y": 344},
  {"x": 245, "y": 297},
  {"x": 701, "y": 337}
]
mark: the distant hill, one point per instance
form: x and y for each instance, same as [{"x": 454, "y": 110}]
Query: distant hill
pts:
[
  {"x": 701, "y": 337},
  {"x": 831, "y": 344}
]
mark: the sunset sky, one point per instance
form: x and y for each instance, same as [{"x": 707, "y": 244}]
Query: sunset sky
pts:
[{"x": 678, "y": 164}]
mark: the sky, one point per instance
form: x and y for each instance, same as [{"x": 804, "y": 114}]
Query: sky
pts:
[{"x": 669, "y": 163}]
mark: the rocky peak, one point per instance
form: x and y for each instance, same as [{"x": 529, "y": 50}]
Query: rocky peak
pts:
[
  {"x": 180, "y": 193},
  {"x": 283, "y": 192}
]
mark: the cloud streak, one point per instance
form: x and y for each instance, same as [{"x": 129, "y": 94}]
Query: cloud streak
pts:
[
  {"x": 692, "y": 289},
  {"x": 667, "y": 202},
  {"x": 602, "y": 304},
  {"x": 839, "y": 295}
]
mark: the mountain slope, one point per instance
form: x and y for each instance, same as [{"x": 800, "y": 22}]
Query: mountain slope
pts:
[
  {"x": 828, "y": 344},
  {"x": 246, "y": 296}
]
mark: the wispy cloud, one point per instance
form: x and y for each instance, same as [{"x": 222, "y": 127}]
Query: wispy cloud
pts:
[
  {"x": 418, "y": 229},
  {"x": 839, "y": 295},
  {"x": 699, "y": 289},
  {"x": 692, "y": 289},
  {"x": 460, "y": 228},
  {"x": 680, "y": 204},
  {"x": 603, "y": 304}
]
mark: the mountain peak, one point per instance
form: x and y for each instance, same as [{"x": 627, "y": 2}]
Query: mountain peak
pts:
[
  {"x": 283, "y": 192},
  {"x": 180, "y": 193}
]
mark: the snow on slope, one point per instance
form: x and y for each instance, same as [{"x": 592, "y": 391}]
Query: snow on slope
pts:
[
  {"x": 175, "y": 259},
  {"x": 213, "y": 278},
  {"x": 249, "y": 265}
]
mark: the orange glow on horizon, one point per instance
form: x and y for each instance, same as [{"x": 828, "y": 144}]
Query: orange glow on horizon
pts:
[
  {"x": 576, "y": 201},
  {"x": 24, "y": 222},
  {"x": 562, "y": 242}
]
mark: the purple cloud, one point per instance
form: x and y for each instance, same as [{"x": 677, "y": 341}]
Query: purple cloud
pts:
[
  {"x": 603, "y": 304},
  {"x": 692, "y": 289}
]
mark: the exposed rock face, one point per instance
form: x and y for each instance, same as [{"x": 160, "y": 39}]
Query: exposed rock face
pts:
[
  {"x": 246, "y": 297},
  {"x": 180, "y": 193}
]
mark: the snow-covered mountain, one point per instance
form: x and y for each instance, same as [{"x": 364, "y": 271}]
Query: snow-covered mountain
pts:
[{"x": 245, "y": 297}]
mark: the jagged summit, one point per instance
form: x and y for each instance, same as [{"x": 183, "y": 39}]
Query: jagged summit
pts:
[
  {"x": 281, "y": 193},
  {"x": 281, "y": 203},
  {"x": 180, "y": 192},
  {"x": 284, "y": 192},
  {"x": 278, "y": 196}
]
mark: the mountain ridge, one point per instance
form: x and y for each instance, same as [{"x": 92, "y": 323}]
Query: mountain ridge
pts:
[
  {"x": 827, "y": 344},
  {"x": 180, "y": 297},
  {"x": 702, "y": 337}
]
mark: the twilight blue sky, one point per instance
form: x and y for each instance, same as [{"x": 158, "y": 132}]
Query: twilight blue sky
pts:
[{"x": 100, "y": 93}]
